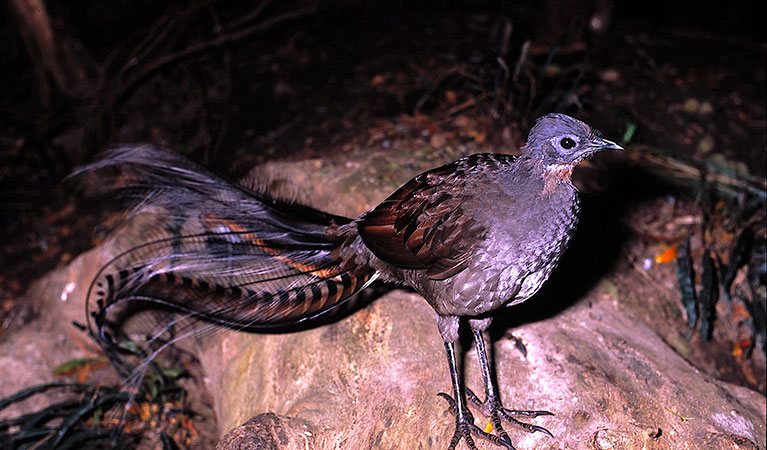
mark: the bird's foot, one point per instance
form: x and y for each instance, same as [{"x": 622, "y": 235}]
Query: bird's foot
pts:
[
  {"x": 493, "y": 409},
  {"x": 465, "y": 428}
]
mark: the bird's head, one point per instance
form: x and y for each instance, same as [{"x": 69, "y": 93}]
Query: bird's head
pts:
[{"x": 560, "y": 140}]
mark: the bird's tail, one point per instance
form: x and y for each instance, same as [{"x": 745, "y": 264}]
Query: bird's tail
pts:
[{"x": 197, "y": 248}]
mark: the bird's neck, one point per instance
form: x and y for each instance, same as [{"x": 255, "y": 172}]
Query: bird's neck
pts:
[{"x": 553, "y": 175}]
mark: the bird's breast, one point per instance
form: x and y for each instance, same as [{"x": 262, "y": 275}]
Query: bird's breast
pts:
[
  {"x": 527, "y": 251},
  {"x": 522, "y": 248}
]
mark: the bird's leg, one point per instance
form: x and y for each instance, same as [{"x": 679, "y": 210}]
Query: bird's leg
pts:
[
  {"x": 464, "y": 421},
  {"x": 492, "y": 406},
  {"x": 492, "y": 403}
]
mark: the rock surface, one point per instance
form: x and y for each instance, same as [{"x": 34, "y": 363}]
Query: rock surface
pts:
[{"x": 370, "y": 381}]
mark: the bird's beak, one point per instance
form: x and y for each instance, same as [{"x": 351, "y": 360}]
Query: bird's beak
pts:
[{"x": 603, "y": 144}]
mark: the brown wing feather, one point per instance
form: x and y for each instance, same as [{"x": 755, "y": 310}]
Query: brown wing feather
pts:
[{"x": 422, "y": 225}]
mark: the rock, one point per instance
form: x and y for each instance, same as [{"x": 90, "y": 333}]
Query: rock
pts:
[
  {"x": 32, "y": 350},
  {"x": 268, "y": 432},
  {"x": 367, "y": 381}
]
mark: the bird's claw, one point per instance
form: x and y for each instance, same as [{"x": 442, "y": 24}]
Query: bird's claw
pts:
[
  {"x": 495, "y": 411},
  {"x": 507, "y": 415},
  {"x": 542, "y": 430},
  {"x": 464, "y": 429},
  {"x": 450, "y": 401}
]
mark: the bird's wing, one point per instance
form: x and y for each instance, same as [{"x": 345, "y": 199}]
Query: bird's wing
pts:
[{"x": 423, "y": 225}]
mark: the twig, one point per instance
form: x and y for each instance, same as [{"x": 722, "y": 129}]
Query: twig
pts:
[
  {"x": 681, "y": 170},
  {"x": 251, "y": 15},
  {"x": 434, "y": 85},
  {"x": 462, "y": 106}
]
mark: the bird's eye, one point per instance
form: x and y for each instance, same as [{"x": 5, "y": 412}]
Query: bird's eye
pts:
[{"x": 567, "y": 143}]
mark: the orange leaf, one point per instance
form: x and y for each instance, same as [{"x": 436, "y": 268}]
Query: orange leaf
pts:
[
  {"x": 187, "y": 423},
  {"x": 737, "y": 351},
  {"x": 145, "y": 411},
  {"x": 378, "y": 79},
  {"x": 667, "y": 255},
  {"x": 739, "y": 312},
  {"x": 451, "y": 97}
]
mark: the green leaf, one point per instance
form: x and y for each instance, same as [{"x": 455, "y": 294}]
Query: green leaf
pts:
[
  {"x": 71, "y": 365},
  {"x": 173, "y": 372},
  {"x": 631, "y": 128},
  {"x": 129, "y": 346}
]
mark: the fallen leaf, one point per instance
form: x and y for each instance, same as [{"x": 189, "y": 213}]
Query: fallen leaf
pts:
[
  {"x": 667, "y": 255},
  {"x": 378, "y": 79},
  {"x": 737, "y": 351},
  {"x": 611, "y": 75},
  {"x": 739, "y": 312},
  {"x": 451, "y": 97}
]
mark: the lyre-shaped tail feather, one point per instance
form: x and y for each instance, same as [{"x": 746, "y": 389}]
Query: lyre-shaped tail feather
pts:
[{"x": 206, "y": 249}]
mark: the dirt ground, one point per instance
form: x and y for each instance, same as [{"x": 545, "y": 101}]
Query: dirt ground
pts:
[{"x": 681, "y": 86}]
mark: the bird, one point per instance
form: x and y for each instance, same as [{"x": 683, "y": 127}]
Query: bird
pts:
[{"x": 473, "y": 236}]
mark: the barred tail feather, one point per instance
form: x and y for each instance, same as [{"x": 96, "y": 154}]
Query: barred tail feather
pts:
[{"x": 199, "y": 248}]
